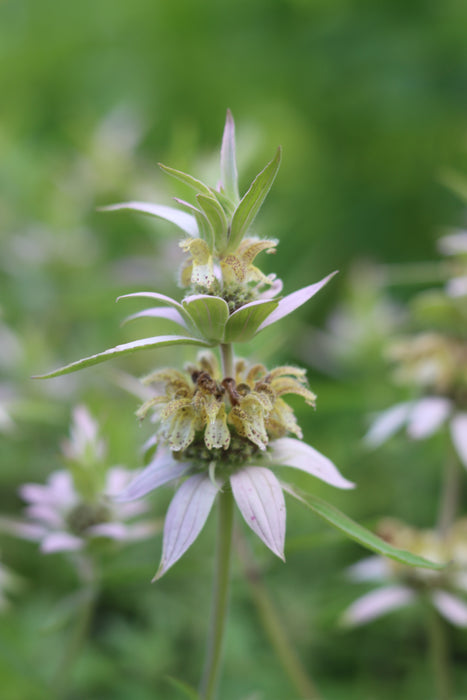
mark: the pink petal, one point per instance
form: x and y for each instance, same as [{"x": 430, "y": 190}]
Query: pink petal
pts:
[
  {"x": 163, "y": 468},
  {"x": 58, "y": 493},
  {"x": 427, "y": 416},
  {"x": 289, "y": 452},
  {"x": 61, "y": 542},
  {"x": 457, "y": 287},
  {"x": 459, "y": 436},
  {"x": 45, "y": 514},
  {"x": 260, "y": 499},
  {"x": 186, "y": 222},
  {"x": 387, "y": 423},
  {"x": 159, "y": 312},
  {"x": 114, "y": 531},
  {"x": 293, "y": 301},
  {"x": 369, "y": 569},
  {"x": 451, "y": 607},
  {"x": 185, "y": 519},
  {"x": 19, "y": 528},
  {"x": 140, "y": 531},
  {"x": 377, "y": 603}
]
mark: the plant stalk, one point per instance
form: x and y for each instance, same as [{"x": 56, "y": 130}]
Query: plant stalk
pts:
[
  {"x": 449, "y": 494},
  {"x": 439, "y": 653},
  {"x": 227, "y": 358},
  {"x": 220, "y": 599},
  {"x": 273, "y": 627}
]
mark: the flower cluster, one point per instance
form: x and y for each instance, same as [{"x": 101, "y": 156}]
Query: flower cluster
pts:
[
  {"x": 77, "y": 504},
  {"x": 404, "y": 585},
  {"x": 224, "y": 428},
  {"x": 433, "y": 362}
]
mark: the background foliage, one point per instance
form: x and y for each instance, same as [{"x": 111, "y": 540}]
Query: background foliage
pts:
[{"x": 369, "y": 103}]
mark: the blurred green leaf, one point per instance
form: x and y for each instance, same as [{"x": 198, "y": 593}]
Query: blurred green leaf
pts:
[{"x": 186, "y": 690}]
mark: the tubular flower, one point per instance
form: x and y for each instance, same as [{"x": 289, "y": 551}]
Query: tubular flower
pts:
[
  {"x": 199, "y": 270},
  {"x": 196, "y": 405},
  {"x": 226, "y": 433}
]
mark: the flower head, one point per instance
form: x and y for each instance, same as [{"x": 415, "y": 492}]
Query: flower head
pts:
[
  {"x": 226, "y": 433},
  {"x": 403, "y": 585},
  {"x": 76, "y": 506}
]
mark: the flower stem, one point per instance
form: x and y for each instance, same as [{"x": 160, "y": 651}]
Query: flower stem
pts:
[
  {"x": 227, "y": 358},
  {"x": 274, "y": 628},
  {"x": 220, "y": 598},
  {"x": 75, "y": 644},
  {"x": 449, "y": 494},
  {"x": 438, "y": 653}
]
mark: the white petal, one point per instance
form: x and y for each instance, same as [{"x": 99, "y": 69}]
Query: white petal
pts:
[
  {"x": 289, "y": 452},
  {"x": 293, "y": 301},
  {"x": 114, "y": 531},
  {"x": 185, "y": 519},
  {"x": 457, "y": 287},
  {"x": 260, "y": 499},
  {"x": 161, "y": 470},
  {"x": 369, "y": 569},
  {"x": 459, "y": 436},
  {"x": 387, "y": 423},
  {"x": 61, "y": 542},
  {"x": 377, "y": 603},
  {"x": 427, "y": 416},
  {"x": 451, "y": 607}
]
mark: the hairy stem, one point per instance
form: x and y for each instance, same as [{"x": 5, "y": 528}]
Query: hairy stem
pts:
[
  {"x": 220, "y": 598},
  {"x": 227, "y": 358},
  {"x": 439, "y": 653},
  {"x": 273, "y": 627}
]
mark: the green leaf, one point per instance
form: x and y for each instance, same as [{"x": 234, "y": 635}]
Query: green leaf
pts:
[
  {"x": 251, "y": 202},
  {"x": 209, "y": 314},
  {"x": 243, "y": 323},
  {"x": 186, "y": 690},
  {"x": 229, "y": 176},
  {"x": 185, "y": 222},
  {"x": 360, "y": 534},
  {"x": 189, "y": 180},
  {"x": 217, "y": 219},
  {"x": 206, "y": 231},
  {"x": 125, "y": 349}
]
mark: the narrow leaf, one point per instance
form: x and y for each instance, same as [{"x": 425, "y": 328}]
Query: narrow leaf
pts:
[
  {"x": 244, "y": 323},
  {"x": 185, "y": 222},
  {"x": 206, "y": 232},
  {"x": 217, "y": 219},
  {"x": 125, "y": 349},
  {"x": 360, "y": 534},
  {"x": 229, "y": 176},
  {"x": 294, "y": 300},
  {"x": 251, "y": 202},
  {"x": 186, "y": 690},
  {"x": 189, "y": 180},
  {"x": 185, "y": 519},
  {"x": 209, "y": 314},
  {"x": 258, "y": 494}
]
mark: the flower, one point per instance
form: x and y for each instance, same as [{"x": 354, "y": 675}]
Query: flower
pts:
[
  {"x": 226, "y": 433},
  {"x": 405, "y": 585},
  {"x": 76, "y": 506},
  {"x": 423, "y": 417}
]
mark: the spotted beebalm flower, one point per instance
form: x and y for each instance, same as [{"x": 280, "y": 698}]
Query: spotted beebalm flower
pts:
[
  {"x": 438, "y": 365},
  {"x": 402, "y": 585},
  {"x": 76, "y": 506},
  {"x": 423, "y": 418},
  {"x": 226, "y": 433}
]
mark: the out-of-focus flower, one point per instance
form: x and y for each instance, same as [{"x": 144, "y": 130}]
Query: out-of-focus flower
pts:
[
  {"x": 76, "y": 506},
  {"x": 404, "y": 585}
]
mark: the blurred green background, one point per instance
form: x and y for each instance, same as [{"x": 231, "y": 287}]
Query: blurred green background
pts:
[{"x": 369, "y": 103}]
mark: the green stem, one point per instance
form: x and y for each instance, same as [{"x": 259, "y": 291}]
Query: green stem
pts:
[
  {"x": 438, "y": 653},
  {"x": 76, "y": 642},
  {"x": 227, "y": 357},
  {"x": 220, "y": 597},
  {"x": 274, "y": 628},
  {"x": 449, "y": 494}
]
